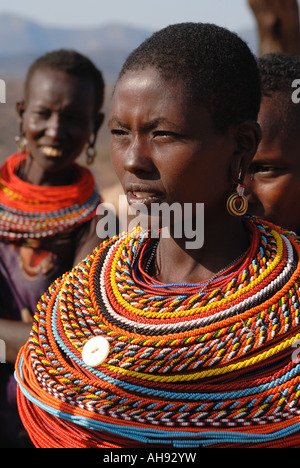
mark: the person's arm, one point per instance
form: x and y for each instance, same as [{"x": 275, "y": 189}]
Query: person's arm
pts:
[
  {"x": 89, "y": 240},
  {"x": 14, "y": 335}
]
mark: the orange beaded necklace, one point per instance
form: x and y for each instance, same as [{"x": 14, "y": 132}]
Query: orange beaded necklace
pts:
[{"x": 32, "y": 211}]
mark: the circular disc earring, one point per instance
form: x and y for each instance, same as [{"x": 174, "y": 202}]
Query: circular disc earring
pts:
[{"x": 237, "y": 203}]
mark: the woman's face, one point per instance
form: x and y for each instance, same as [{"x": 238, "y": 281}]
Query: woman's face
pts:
[
  {"x": 58, "y": 118},
  {"x": 273, "y": 182},
  {"x": 165, "y": 148}
]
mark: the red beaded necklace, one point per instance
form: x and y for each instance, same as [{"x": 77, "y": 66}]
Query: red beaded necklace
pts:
[{"x": 32, "y": 211}]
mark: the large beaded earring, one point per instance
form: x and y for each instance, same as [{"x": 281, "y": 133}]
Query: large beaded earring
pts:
[
  {"x": 237, "y": 203},
  {"x": 90, "y": 150},
  {"x": 90, "y": 154},
  {"x": 21, "y": 141}
]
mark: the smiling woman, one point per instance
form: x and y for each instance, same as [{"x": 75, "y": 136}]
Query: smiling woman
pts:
[
  {"x": 57, "y": 121},
  {"x": 47, "y": 201}
]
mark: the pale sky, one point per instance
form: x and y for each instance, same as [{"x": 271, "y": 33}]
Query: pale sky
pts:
[{"x": 150, "y": 14}]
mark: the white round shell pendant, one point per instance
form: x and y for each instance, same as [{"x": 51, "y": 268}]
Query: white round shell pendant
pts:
[{"x": 95, "y": 351}]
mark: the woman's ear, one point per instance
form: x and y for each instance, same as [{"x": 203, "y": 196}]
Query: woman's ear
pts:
[
  {"x": 98, "y": 123},
  {"x": 248, "y": 136},
  {"x": 21, "y": 138},
  {"x": 20, "y": 107}
]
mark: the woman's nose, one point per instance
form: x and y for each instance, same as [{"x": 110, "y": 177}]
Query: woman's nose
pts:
[
  {"x": 138, "y": 157},
  {"x": 54, "y": 128}
]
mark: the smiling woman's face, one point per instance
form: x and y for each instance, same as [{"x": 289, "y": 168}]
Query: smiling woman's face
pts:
[
  {"x": 273, "y": 181},
  {"x": 58, "y": 118},
  {"x": 165, "y": 148}
]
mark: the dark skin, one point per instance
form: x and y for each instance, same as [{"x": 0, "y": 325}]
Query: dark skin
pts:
[
  {"x": 273, "y": 182},
  {"x": 58, "y": 119},
  {"x": 165, "y": 149}
]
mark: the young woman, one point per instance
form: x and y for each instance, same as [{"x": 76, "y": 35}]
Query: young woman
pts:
[
  {"x": 151, "y": 342},
  {"x": 47, "y": 201}
]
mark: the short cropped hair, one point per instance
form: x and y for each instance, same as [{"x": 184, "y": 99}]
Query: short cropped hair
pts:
[
  {"x": 217, "y": 68},
  {"x": 73, "y": 63},
  {"x": 278, "y": 71}
]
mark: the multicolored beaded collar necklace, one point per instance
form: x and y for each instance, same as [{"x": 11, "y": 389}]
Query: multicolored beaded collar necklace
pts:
[
  {"x": 185, "y": 368},
  {"x": 30, "y": 211}
]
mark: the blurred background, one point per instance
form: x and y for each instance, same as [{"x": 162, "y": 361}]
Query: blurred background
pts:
[{"x": 108, "y": 30}]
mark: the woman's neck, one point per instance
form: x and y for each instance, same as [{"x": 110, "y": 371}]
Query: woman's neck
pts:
[
  {"x": 34, "y": 174},
  {"x": 221, "y": 247}
]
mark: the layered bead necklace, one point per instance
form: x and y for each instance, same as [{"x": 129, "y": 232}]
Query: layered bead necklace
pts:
[
  {"x": 209, "y": 364},
  {"x": 32, "y": 211}
]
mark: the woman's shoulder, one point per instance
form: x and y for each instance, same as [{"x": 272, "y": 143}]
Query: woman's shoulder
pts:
[{"x": 273, "y": 227}]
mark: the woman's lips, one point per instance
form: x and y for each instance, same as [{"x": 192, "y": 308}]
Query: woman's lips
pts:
[
  {"x": 51, "y": 151},
  {"x": 143, "y": 197}
]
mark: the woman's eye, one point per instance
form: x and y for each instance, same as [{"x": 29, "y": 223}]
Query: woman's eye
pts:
[
  {"x": 262, "y": 168},
  {"x": 165, "y": 134},
  {"x": 43, "y": 113},
  {"x": 118, "y": 132}
]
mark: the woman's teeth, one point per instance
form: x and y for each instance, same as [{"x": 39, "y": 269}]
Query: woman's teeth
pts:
[
  {"x": 141, "y": 194},
  {"x": 50, "y": 151}
]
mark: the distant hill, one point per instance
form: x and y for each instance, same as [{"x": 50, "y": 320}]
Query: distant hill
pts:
[{"x": 22, "y": 40}]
